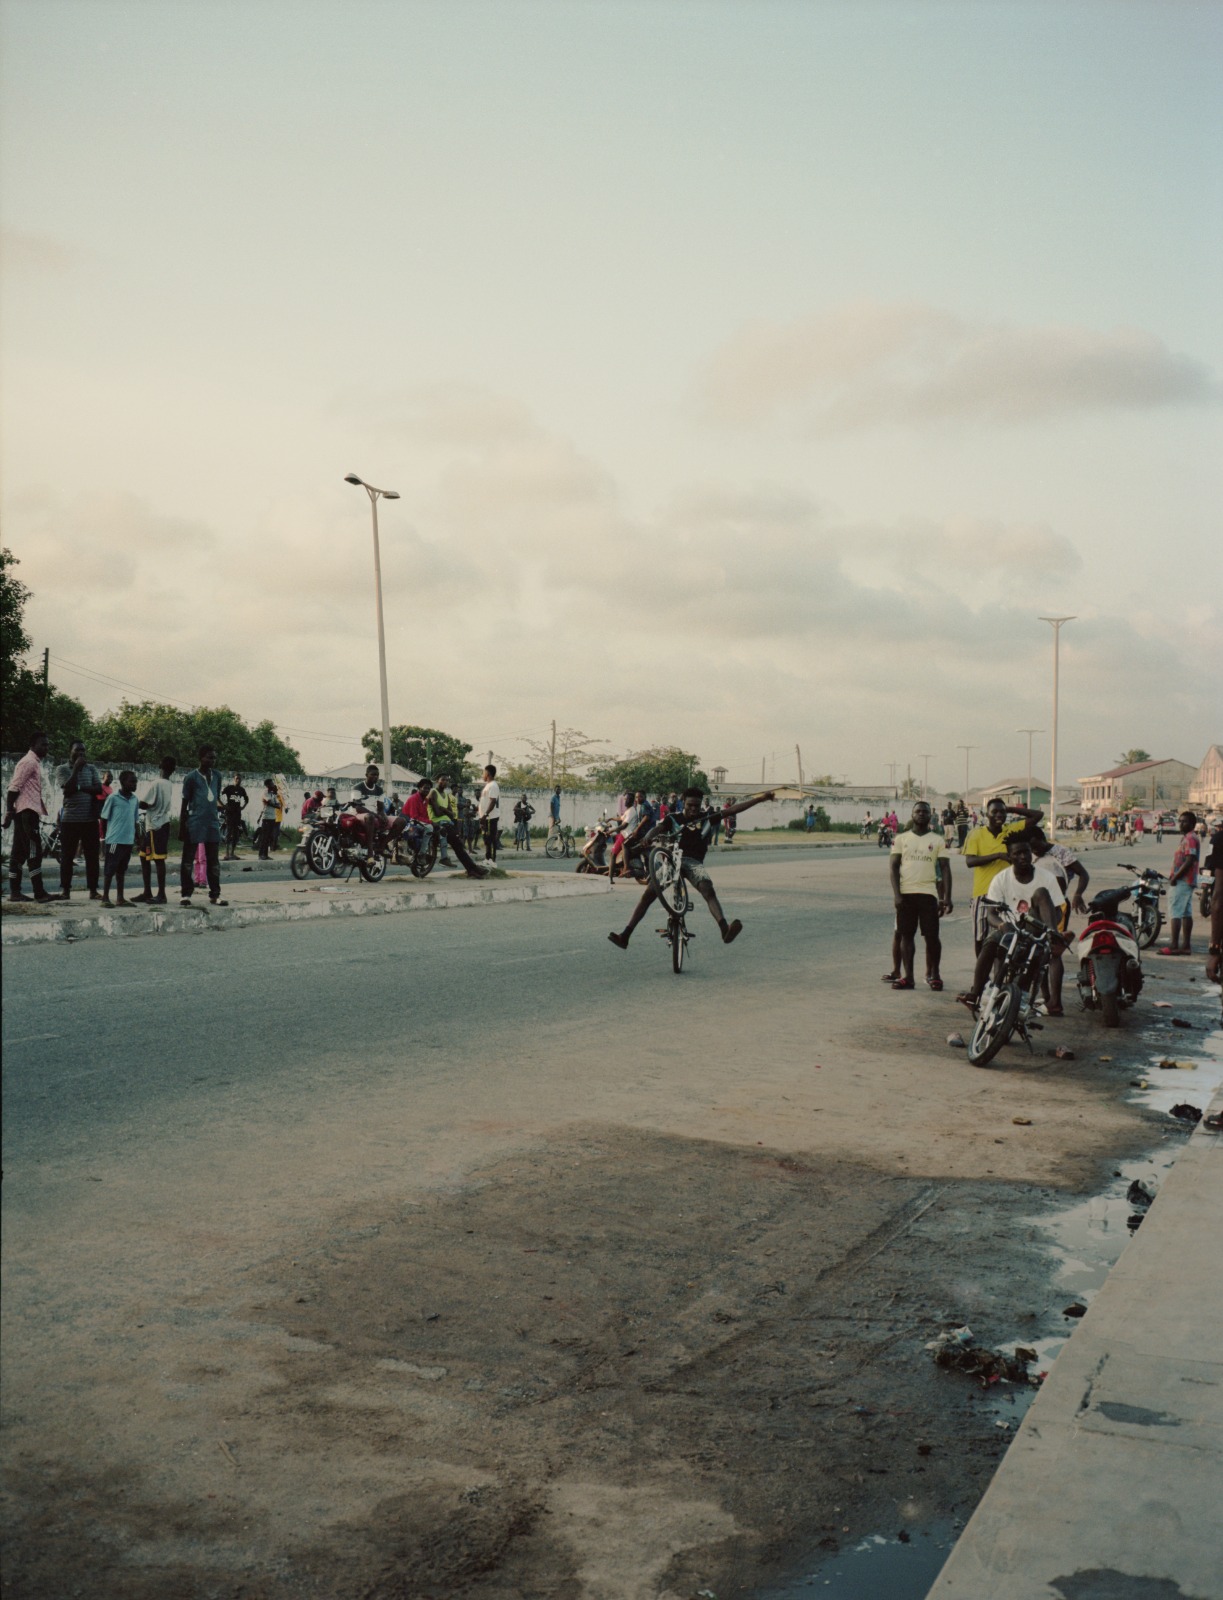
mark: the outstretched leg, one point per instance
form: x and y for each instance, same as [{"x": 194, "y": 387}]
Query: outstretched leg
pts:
[
  {"x": 730, "y": 930},
  {"x": 639, "y": 911}
]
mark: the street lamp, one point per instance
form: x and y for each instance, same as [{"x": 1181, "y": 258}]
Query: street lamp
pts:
[
  {"x": 1029, "y": 732},
  {"x": 374, "y": 496},
  {"x": 925, "y": 779},
  {"x": 966, "y": 748},
  {"x": 1056, "y": 624}
]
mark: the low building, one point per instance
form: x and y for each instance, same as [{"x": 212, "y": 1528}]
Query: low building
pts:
[
  {"x": 1206, "y": 790},
  {"x": 1155, "y": 785}
]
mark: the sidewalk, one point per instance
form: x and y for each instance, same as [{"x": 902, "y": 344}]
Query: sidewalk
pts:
[
  {"x": 1113, "y": 1487},
  {"x": 252, "y": 902}
]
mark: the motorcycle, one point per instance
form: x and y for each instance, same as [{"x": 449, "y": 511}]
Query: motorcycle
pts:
[
  {"x": 884, "y": 840},
  {"x": 593, "y": 856},
  {"x": 1008, "y": 1000},
  {"x": 1147, "y": 891},
  {"x": 340, "y": 840},
  {"x": 1110, "y": 969}
]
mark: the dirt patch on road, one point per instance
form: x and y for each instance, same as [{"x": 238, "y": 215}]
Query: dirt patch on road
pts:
[{"x": 622, "y": 1364}]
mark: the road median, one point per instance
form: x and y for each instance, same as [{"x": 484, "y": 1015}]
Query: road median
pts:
[{"x": 253, "y": 904}]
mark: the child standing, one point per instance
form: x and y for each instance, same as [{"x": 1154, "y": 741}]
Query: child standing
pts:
[
  {"x": 157, "y": 806},
  {"x": 119, "y": 812}
]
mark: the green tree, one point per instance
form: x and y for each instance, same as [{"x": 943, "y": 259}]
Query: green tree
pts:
[
  {"x": 26, "y": 704},
  {"x": 145, "y": 732},
  {"x": 424, "y": 750},
  {"x": 664, "y": 768},
  {"x": 14, "y": 640},
  {"x": 1131, "y": 758}
]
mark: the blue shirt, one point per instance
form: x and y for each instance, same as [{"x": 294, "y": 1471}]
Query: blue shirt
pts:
[
  {"x": 200, "y": 795},
  {"x": 554, "y": 806},
  {"x": 119, "y": 813}
]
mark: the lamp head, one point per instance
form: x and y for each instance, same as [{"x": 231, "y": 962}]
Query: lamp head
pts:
[
  {"x": 351, "y": 477},
  {"x": 390, "y": 494}
]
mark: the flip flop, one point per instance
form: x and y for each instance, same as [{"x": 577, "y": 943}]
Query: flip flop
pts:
[
  {"x": 967, "y": 1000},
  {"x": 903, "y": 983},
  {"x": 934, "y": 983},
  {"x": 1169, "y": 951},
  {"x": 890, "y": 977}
]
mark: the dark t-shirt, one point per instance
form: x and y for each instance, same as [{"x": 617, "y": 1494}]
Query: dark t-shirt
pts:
[
  {"x": 235, "y": 798},
  {"x": 693, "y": 836},
  {"x": 1214, "y": 852}
]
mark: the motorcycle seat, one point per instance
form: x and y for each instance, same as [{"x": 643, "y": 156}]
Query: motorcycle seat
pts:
[{"x": 1107, "y": 901}]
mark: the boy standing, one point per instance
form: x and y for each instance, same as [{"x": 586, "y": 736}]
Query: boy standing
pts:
[
  {"x": 489, "y": 812},
  {"x": 1182, "y": 881},
  {"x": 157, "y": 805},
  {"x": 119, "y": 812},
  {"x": 25, "y": 808},
  {"x": 921, "y": 889}
]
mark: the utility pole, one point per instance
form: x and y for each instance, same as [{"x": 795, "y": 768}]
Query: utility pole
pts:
[
  {"x": 1029, "y": 732},
  {"x": 799, "y": 755},
  {"x": 428, "y": 757},
  {"x": 46, "y": 684},
  {"x": 762, "y": 761},
  {"x": 966, "y": 748},
  {"x": 1056, "y": 624},
  {"x": 552, "y": 757},
  {"x": 925, "y": 779},
  {"x": 891, "y": 766}
]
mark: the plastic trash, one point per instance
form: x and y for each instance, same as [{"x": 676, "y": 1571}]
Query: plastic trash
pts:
[
  {"x": 1187, "y": 1113},
  {"x": 956, "y": 1041}
]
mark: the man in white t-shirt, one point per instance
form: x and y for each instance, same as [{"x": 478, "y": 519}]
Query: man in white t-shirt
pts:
[
  {"x": 1025, "y": 888},
  {"x": 489, "y": 813},
  {"x": 157, "y": 808},
  {"x": 921, "y": 890}
]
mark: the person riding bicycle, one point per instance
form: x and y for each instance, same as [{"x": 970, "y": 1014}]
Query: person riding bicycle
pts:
[
  {"x": 1024, "y": 887},
  {"x": 693, "y": 832}
]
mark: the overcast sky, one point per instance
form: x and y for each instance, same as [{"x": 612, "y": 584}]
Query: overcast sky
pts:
[{"x": 752, "y": 374}]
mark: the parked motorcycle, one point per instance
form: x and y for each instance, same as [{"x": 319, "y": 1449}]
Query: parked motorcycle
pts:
[
  {"x": 1008, "y": 1000},
  {"x": 1147, "y": 889},
  {"x": 341, "y": 840},
  {"x": 1110, "y": 968}
]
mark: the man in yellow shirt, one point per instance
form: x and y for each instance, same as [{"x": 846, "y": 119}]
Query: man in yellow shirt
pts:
[
  {"x": 985, "y": 852},
  {"x": 443, "y": 811}
]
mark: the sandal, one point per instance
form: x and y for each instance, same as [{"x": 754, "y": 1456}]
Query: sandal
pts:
[
  {"x": 890, "y": 977},
  {"x": 903, "y": 983},
  {"x": 934, "y": 983},
  {"x": 1169, "y": 951},
  {"x": 1054, "y": 1011},
  {"x": 967, "y": 999}
]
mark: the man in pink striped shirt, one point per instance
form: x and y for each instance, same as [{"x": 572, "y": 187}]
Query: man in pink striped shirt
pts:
[{"x": 24, "y": 809}]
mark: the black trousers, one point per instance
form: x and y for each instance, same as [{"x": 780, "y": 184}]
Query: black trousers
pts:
[
  {"x": 454, "y": 839},
  {"x": 492, "y": 835},
  {"x": 82, "y": 832},
  {"x": 27, "y": 847},
  {"x": 212, "y": 856}
]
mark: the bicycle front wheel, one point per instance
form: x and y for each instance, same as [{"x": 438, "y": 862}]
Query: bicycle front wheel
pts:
[
  {"x": 554, "y": 846},
  {"x": 667, "y": 880}
]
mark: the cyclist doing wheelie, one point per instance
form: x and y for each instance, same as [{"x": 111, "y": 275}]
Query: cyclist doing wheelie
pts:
[{"x": 693, "y": 830}]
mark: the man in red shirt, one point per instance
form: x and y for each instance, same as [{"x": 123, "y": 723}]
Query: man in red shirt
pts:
[{"x": 416, "y": 812}]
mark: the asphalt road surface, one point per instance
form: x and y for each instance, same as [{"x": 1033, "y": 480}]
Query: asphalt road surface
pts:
[{"x": 463, "y": 1246}]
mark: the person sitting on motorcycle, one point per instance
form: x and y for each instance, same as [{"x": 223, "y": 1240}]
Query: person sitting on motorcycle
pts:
[
  {"x": 634, "y": 825},
  {"x": 416, "y": 816},
  {"x": 1053, "y": 857},
  {"x": 693, "y": 832},
  {"x": 367, "y": 798},
  {"x": 1024, "y": 887}
]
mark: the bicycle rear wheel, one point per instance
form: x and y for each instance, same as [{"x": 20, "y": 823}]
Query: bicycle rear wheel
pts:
[{"x": 554, "y": 846}]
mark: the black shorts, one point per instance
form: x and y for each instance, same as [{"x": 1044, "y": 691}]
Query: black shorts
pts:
[{"x": 917, "y": 911}]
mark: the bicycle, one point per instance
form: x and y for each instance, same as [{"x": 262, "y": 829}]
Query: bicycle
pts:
[
  {"x": 666, "y": 878},
  {"x": 560, "y": 843}
]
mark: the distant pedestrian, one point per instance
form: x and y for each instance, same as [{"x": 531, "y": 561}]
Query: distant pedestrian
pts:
[
  {"x": 1182, "y": 881},
  {"x": 810, "y": 814},
  {"x": 24, "y": 809},
  {"x": 108, "y": 788},
  {"x": 489, "y": 811},
  {"x": 120, "y": 810},
  {"x": 157, "y": 804},
  {"x": 523, "y": 812},
  {"x": 236, "y": 801},
  {"x": 961, "y": 823},
  {"x": 267, "y": 819},
  {"x": 81, "y": 785},
  {"x": 554, "y": 810},
  {"x": 199, "y": 823},
  {"x": 921, "y": 892}
]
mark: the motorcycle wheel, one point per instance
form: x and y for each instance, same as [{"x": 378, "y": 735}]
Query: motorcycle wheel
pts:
[
  {"x": 424, "y": 861},
  {"x": 323, "y": 853},
  {"x": 1150, "y": 921},
  {"x": 997, "y": 1012},
  {"x": 669, "y": 885},
  {"x": 1110, "y": 1011},
  {"x": 299, "y": 863},
  {"x": 1204, "y": 901},
  {"x": 373, "y": 868}
]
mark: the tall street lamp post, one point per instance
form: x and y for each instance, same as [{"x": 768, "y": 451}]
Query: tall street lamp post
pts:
[
  {"x": 1056, "y": 624},
  {"x": 966, "y": 748},
  {"x": 1029, "y": 732},
  {"x": 925, "y": 780},
  {"x": 374, "y": 496}
]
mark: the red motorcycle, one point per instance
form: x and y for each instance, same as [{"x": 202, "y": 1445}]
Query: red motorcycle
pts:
[
  {"x": 1110, "y": 968},
  {"x": 341, "y": 841}
]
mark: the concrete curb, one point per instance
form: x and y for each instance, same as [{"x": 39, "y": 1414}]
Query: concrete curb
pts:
[
  {"x": 1111, "y": 1487},
  {"x": 208, "y": 919}
]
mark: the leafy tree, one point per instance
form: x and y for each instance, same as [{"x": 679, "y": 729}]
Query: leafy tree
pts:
[
  {"x": 826, "y": 781},
  {"x": 424, "y": 750},
  {"x": 562, "y": 758},
  {"x": 662, "y": 769},
  {"x": 524, "y": 775},
  {"x": 14, "y": 640},
  {"x": 145, "y": 732},
  {"x": 1131, "y": 758}
]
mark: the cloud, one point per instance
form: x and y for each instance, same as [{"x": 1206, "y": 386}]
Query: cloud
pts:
[
  {"x": 870, "y": 365},
  {"x": 35, "y": 255},
  {"x": 106, "y": 541},
  {"x": 449, "y": 415}
]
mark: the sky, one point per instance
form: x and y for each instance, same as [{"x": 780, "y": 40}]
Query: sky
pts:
[{"x": 752, "y": 375}]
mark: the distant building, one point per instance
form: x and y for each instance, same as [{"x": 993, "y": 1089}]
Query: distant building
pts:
[
  {"x": 1156, "y": 785},
  {"x": 1014, "y": 791},
  {"x": 1206, "y": 790},
  {"x": 355, "y": 771}
]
